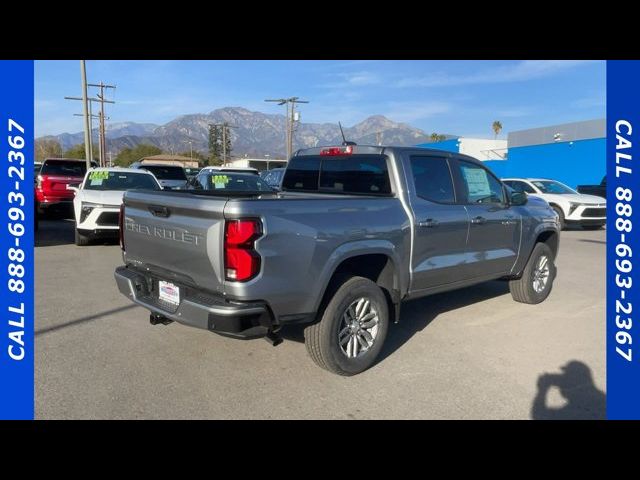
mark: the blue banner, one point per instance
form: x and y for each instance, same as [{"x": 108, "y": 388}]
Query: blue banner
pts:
[
  {"x": 623, "y": 247},
  {"x": 16, "y": 240}
]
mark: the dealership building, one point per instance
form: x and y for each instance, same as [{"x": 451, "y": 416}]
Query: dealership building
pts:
[{"x": 573, "y": 153}]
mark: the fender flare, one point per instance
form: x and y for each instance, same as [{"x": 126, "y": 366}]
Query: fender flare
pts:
[{"x": 355, "y": 249}]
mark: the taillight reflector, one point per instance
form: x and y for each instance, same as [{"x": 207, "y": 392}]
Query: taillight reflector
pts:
[
  {"x": 336, "y": 151},
  {"x": 241, "y": 261}
]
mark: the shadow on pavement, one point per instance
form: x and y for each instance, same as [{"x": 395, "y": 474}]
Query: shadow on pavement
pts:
[
  {"x": 418, "y": 314},
  {"x": 60, "y": 231},
  {"x": 80, "y": 320},
  {"x": 54, "y": 231},
  {"x": 583, "y": 399}
]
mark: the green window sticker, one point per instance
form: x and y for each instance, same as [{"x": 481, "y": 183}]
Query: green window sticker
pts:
[
  {"x": 219, "y": 181},
  {"x": 99, "y": 175}
]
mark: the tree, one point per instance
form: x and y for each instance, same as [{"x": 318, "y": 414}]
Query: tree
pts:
[
  {"x": 215, "y": 145},
  {"x": 434, "y": 137},
  {"x": 47, "y": 148},
  {"x": 497, "y": 128},
  {"x": 442, "y": 138},
  {"x": 228, "y": 147},
  {"x": 78, "y": 151},
  {"x": 129, "y": 155}
]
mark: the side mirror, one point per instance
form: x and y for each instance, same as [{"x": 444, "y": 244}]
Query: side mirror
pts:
[
  {"x": 74, "y": 186},
  {"x": 518, "y": 198}
]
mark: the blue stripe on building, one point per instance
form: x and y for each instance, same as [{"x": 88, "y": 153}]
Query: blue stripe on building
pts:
[{"x": 573, "y": 153}]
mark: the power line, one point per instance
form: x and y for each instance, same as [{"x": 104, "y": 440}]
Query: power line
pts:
[
  {"x": 103, "y": 139},
  {"x": 101, "y": 118},
  {"x": 290, "y": 119}
]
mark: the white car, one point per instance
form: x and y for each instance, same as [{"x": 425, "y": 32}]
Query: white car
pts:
[
  {"x": 572, "y": 207},
  {"x": 97, "y": 200},
  {"x": 219, "y": 168}
]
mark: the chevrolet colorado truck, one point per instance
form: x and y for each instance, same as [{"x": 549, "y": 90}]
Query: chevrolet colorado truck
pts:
[{"x": 354, "y": 232}]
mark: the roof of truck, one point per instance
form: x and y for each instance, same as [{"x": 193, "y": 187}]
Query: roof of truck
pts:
[{"x": 381, "y": 149}]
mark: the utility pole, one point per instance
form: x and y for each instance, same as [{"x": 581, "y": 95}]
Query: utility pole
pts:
[
  {"x": 290, "y": 119},
  {"x": 92, "y": 116},
  {"x": 85, "y": 110},
  {"x": 89, "y": 116},
  {"x": 103, "y": 140},
  {"x": 379, "y": 138}
]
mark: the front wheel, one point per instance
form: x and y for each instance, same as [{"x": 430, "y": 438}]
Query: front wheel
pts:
[
  {"x": 352, "y": 330},
  {"x": 535, "y": 284},
  {"x": 81, "y": 240}
]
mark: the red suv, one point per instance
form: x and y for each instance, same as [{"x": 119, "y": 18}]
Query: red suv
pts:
[{"x": 51, "y": 183}]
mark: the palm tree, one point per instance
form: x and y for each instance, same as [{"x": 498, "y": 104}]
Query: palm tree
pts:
[
  {"x": 435, "y": 137},
  {"x": 497, "y": 127}
]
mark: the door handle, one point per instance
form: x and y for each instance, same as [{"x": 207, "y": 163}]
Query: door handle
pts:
[
  {"x": 509, "y": 222},
  {"x": 428, "y": 223},
  {"x": 478, "y": 220}
]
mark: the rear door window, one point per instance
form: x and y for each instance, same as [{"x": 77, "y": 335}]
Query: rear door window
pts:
[{"x": 432, "y": 179}]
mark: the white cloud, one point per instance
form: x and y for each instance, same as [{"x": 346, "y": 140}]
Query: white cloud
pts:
[
  {"x": 411, "y": 111},
  {"x": 353, "y": 79},
  {"x": 514, "y": 112},
  {"x": 593, "y": 101},
  {"x": 517, "y": 72}
]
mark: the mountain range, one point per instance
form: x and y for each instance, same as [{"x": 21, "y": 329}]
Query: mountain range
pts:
[{"x": 255, "y": 133}]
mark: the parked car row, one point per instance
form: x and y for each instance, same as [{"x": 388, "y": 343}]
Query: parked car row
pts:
[
  {"x": 62, "y": 184},
  {"x": 573, "y": 208}
]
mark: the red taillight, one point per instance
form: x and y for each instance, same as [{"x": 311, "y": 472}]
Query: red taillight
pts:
[
  {"x": 121, "y": 226},
  {"x": 336, "y": 151},
  {"x": 241, "y": 261}
]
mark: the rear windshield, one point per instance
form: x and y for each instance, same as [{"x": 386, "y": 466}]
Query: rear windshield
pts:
[
  {"x": 358, "y": 174},
  {"x": 66, "y": 168},
  {"x": 105, "y": 180},
  {"x": 228, "y": 181},
  {"x": 166, "y": 173}
]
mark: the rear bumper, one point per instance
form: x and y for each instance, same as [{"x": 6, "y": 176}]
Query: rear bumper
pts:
[
  {"x": 100, "y": 232},
  {"x": 197, "y": 309},
  {"x": 48, "y": 202},
  {"x": 587, "y": 222}
]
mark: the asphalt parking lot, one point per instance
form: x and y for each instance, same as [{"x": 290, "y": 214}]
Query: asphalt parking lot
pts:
[{"x": 469, "y": 354}]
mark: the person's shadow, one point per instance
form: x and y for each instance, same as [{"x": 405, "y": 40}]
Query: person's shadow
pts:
[{"x": 583, "y": 399}]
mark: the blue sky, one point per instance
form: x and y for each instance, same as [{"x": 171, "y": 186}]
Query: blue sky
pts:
[{"x": 455, "y": 97}]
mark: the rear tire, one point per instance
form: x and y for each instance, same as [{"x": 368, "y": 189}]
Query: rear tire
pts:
[
  {"x": 534, "y": 286},
  {"x": 560, "y": 216},
  {"x": 352, "y": 330},
  {"x": 81, "y": 240}
]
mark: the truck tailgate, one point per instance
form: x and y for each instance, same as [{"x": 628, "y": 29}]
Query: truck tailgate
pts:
[{"x": 176, "y": 237}]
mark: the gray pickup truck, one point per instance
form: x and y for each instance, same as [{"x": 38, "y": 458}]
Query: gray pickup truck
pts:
[{"x": 354, "y": 232}]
